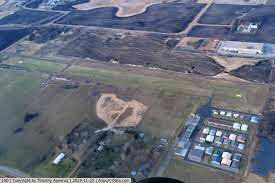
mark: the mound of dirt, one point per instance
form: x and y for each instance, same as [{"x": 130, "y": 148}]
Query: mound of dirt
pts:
[{"x": 119, "y": 113}]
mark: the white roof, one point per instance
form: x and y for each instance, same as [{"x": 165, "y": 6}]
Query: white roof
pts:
[
  {"x": 229, "y": 114},
  {"x": 236, "y": 115},
  {"x": 242, "y": 45},
  {"x": 237, "y": 126},
  {"x": 219, "y": 133},
  {"x": 226, "y": 155},
  {"x": 210, "y": 138},
  {"x": 222, "y": 112},
  {"x": 226, "y": 162},
  {"x": 206, "y": 130},
  {"x": 58, "y": 158},
  {"x": 244, "y": 127},
  {"x": 232, "y": 137}
]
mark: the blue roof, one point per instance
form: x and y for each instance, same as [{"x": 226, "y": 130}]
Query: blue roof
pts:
[{"x": 216, "y": 158}]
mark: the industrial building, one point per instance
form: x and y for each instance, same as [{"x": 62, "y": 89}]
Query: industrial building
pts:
[{"x": 241, "y": 47}]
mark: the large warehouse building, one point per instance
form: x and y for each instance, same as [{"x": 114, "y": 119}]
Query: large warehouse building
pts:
[{"x": 241, "y": 47}]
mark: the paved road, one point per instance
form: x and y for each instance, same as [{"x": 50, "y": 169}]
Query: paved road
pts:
[
  {"x": 13, "y": 172},
  {"x": 197, "y": 18}
]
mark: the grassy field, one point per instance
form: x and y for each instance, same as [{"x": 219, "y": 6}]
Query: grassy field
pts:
[
  {"x": 190, "y": 173},
  {"x": 170, "y": 99},
  {"x": 224, "y": 92},
  {"x": 48, "y": 169},
  {"x": 36, "y": 64}
]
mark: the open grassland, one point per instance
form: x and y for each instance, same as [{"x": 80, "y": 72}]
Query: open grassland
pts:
[
  {"x": 37, "y": 64},
  {"x": 191, "y": 173},
  {"x": 48, "y": 169},
  {"x": 224, "y": 92},
  {"x": 170, "y": 98}
]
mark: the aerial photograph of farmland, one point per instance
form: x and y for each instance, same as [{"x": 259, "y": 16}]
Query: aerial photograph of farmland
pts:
[{"x": 151, "y": 90}]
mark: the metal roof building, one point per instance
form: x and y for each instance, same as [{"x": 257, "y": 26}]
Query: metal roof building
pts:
[
  {"x": 57, "y": 160},
  {"x": 197, "y": 153},
  {"x": 241, "y": 47}
]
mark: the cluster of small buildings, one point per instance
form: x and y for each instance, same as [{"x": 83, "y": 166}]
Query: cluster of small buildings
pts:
[
  {"x": 248, "y": 27},
  {"x": 218, "y": 158},
  {"x": 225, "y": 159},
  {"x": 223, "y": 138},
  {"x": 236, "y": 115}
]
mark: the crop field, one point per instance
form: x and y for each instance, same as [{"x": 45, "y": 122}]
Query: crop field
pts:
[
  {"x": 27, "y": 17},
  {"x": 8, "y": 37},
  {"x": 224, "y": 14},
  {"x": 148, "y": 50},
  {"x": 193, "y": 173},
  {"x": 165, "y": 17}
]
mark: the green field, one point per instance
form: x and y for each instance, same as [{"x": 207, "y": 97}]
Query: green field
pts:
[
  {"x": 37, "y": 64},
  {"x": 224, "y": 92},
  {"x": 48, "y": 169},
  {"x": 192, "y": 173},
  {"x": 170, "y": 99}
]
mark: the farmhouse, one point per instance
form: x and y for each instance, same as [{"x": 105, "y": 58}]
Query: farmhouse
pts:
[{"x": 241, "y": 47}]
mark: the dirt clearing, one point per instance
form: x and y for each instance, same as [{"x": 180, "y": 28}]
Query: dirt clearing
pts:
[
  {"x": 119, "y": 113},
  {"x": 126, "y": 7}
]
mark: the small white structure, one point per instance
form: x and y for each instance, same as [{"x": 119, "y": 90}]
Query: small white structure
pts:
[
  {"x": 222, "y": 113},
  {"x": 57, "y": 160},
  {"x": 206, "y": 130},
  {"x": 237, "y": 126},
  {"x": 232, "y": 137},
  {"x": 236, "y": 115},
  {"x": 229, "y": 114},
  {"x": 244, "y": 127},
  {"x": 215, "y": 112},
  {"x": 219, "y": 133},
  {"x": 226, "y": 155},
  {"x": 210, "y": 138},
  {"x": 226, "y": 162}
]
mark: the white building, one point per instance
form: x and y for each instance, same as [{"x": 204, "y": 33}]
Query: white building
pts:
[
  {"x": 241, "y": 47},
  {"x": 57, "y": 160}
]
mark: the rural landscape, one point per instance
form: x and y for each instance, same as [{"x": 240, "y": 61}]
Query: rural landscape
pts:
[{"x": 136, "y": 89}]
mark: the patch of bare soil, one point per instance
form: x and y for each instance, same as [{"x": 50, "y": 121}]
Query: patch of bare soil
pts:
[
  {"x": 253, "y": 178},
  {"x": 226, "y": 76},
  {"x": 231, "y": 63},
  {"x": 119, "y": 113},
  {"x": 126, "y": 7}
]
